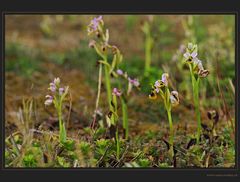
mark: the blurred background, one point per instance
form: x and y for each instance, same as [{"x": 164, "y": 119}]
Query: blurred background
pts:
[{"x": 39, "y": 48}]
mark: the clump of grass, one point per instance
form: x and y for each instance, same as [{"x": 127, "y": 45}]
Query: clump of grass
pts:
[{"x": 22, "y": 59}]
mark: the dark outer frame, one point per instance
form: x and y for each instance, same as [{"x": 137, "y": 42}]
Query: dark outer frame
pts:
[{"x": 119, "y": 7}]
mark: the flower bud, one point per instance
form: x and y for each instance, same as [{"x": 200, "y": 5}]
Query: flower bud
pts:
[
  {"x": 92, "y": 44},
  {"x": 56, "y": 81},
  {"x": 119, "y": 72}
]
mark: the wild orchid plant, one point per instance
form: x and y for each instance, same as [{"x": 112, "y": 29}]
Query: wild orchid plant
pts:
[
  {"x": 131, "y": 83},
  {"x": 57, "y": 97},
  {"x": 197, "y": 71},
  {"x": 170, "y": 100},
  {"x": 113, "y": 118},
  {"x": 102, "y": 47}
]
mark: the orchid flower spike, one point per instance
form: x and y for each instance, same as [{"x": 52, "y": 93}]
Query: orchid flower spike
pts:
[
  {"x": 191, "y": 57},
  {"x": 56, "y": 90},
  {"x": 49, "y": 100}
]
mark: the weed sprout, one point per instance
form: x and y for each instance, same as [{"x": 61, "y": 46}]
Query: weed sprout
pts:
[
  {"x": 197, "y": 71},
  {"x": 57, "y": 98},
  {"x": 170, "y": 100},
  {"x": 146, "y": 28}
]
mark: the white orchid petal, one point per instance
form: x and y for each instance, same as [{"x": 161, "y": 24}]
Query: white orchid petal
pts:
[
  {"x": 48, "y": 102},
  {"x": 186, "y": 55},
  {"x": 174, "y": 98},
  {"x": 194, "y": 54}
]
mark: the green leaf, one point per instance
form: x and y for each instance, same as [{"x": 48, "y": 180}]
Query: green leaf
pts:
[
  {"x": 69, "y": 145},
  {"x": 63, "y": 134}
]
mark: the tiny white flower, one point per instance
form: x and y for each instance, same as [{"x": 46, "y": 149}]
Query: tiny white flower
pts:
[
  {"x": 165, "y": 78},
  {"x": 198, "y": 63},
  {"x": 48, "y": 102},
  {"x": 174, "y": 98}
]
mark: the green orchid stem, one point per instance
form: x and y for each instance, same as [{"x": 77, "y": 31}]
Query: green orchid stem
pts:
[
  {"x": 197, "y": 110},
  {"x": 117, "y": 145},
  {"x": 115, "y": 117},
  {"x": 148, "y": 50},
  {"x": 99, "y": 85},
  {"x": 124, "y": 114},
  {"x": 109, "y": 96},
  {"x": 195, "y": 86},
  {"x": 171, "y": 131},
  {"x": 167, "y": 104},
  {"x": 108, "y": 84},
  {"x": 115, "y": 123},
  {"x": 62, "y": 130},
  {"x": 148, "y": 55},
  {"x": 125, "y": 117}
]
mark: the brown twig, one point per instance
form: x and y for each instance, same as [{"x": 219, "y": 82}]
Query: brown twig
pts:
[
  {"x": 98, "y": 96},
  {"x": 50, "y": 133}
]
